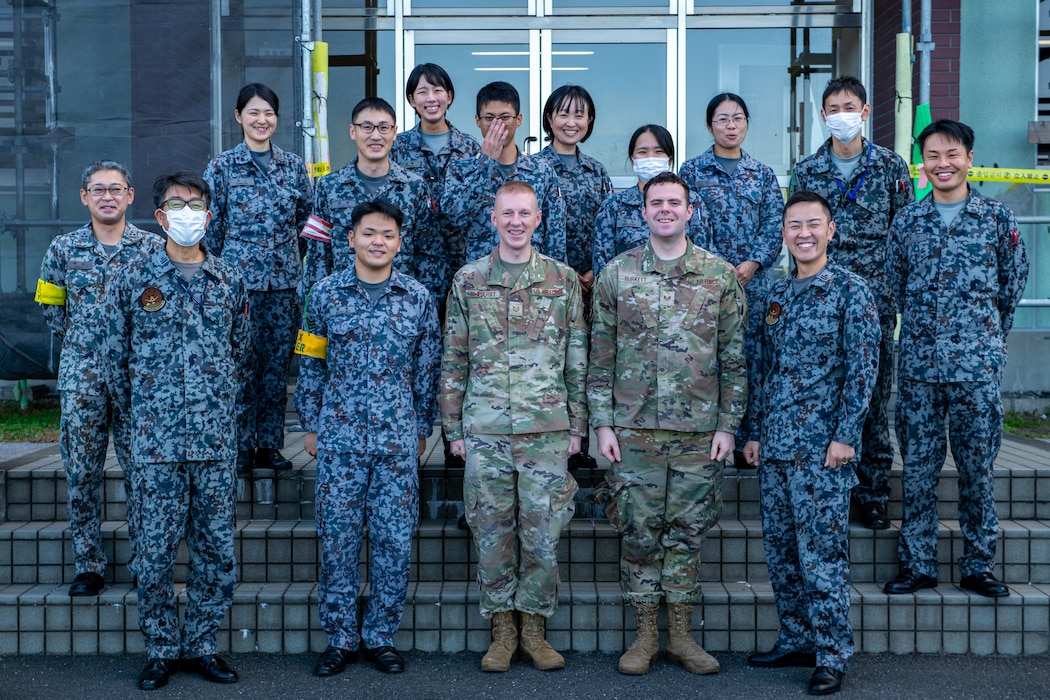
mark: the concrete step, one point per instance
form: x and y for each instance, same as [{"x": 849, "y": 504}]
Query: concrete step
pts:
[
  {"x": 276, "y": 551},
  {"x": 282, "y": 618}
]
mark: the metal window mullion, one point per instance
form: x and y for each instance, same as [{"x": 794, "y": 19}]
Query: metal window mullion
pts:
[{"x": 536, "y": 66}]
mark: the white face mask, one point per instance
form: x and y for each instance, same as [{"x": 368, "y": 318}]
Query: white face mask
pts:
[
  {"x": 844, "y": 126},
  {"x": 185, "y": 226},
  {"x": 648, "y": 168}
]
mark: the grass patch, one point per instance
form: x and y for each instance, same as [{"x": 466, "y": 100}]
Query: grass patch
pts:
[
  {"x": 1028, "y": 425},
  {"x": 38, "y": 423}
]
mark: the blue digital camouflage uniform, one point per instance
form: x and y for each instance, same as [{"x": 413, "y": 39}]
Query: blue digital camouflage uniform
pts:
[
  {"x": 369, "y": 399},
  {"x": 413, "y": 153},
  {"x": 620, "y": 226},
  {"x": 819, "y": 352},
  {"x": 78, "y": 264},
  {"x": 512, "y": 386},
  {"x": 863, "y": 210},
  {"x": 666, "y": 371},
  {"x": 255, "y": 225},
  {"x": 583, "y": 189},
  {"x": 422, "y": 255},
  {"x": 958, "y": 289},
  {"x": 746, "y": 209},
  {"x": 470, "y": 193},
  {"x": 175, "y": 348}
]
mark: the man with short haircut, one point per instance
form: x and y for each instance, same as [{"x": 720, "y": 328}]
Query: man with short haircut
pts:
[
  {"x": 513, "y": 406},
  {"x": 818, "y": 352},
  {"x": 667, "y": 392},
  {"x": 471, "y": 185},
  {"x": 178, "y": 329},
  {"x": 372, "y": 176},
  {"x": 74, "y": 276},
  {"x": 958, "y": 267},
  {"x": 865, "y": 185},
  {"x": 370, "y": 351}
]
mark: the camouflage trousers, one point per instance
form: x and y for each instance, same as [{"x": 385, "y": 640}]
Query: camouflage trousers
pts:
[
  {"x": 355, "y": 490},
  {"x": 974, "y": 413},
  {"x": 198, "y": 499},
  {"x": 666, "y": 493},
  {"x": 83, "y": 438},
  {"x": 805, "y": 512},
  {"x": 517, "y": 494},
  {"x": 263, "y": 394},
  {"x": 875, "y": 450}
]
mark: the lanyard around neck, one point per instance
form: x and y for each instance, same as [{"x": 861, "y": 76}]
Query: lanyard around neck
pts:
[{"x": 852, "y": 194}]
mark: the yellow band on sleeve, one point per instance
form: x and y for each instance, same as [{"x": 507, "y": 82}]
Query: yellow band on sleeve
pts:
[
  {"x": 51, "y": 294},
  {"x": 311, "y": 345}
]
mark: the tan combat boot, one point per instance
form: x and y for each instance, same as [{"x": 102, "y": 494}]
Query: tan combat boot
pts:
[
  {"x": 646, "y": 647},
  {"x": 535, "y": 647},
  {"x": 681, "y": 649},
  {"x": 504, "y": 643}
]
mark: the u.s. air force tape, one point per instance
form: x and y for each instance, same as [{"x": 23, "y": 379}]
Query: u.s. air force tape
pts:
[
  {"x": 1000, "y": 174},
  {"x": 50, "y": 294},
  {"x": 311, "y": 345}
]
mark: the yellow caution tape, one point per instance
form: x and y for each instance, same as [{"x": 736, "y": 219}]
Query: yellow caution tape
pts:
[
  {"x": 1001, "y": 174},
  {"x": 311, "y": 345},
  {"x": 50, "y": 294},
  {"x": 321, "y": 169}
]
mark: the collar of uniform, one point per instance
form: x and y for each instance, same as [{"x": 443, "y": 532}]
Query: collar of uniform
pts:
[
  {"x": 687, "y": 264},
  {"x": 975, "y": 204},
  {"x": 822, "y": 158},
  {"x": 707, "y": 160},
  {"x": 499, "y": 277},
  {"x": 554, "y": 158},
  {"x": 241, "y": 153},
  {"x": 397, "y": 279},
  {"x": 163, "y": 264},
  {"x": 348, "y": 174},
  {"x": 84, "y": 237}
]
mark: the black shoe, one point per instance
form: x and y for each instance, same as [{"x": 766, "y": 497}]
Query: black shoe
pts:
[
  {"x": 826, "y": 681},
  {"x": 211, "y": 668},
  {"x": 334, "y": 660},
  {"x": 985, "y": 584},
  {"x": 245, "y": 461},
  {"x": 87, "y": 583},
  {"x": 157, "y": 673},
  {"x": 873, "y": 516},
  {"x": 269, "y": 458},
  {"x": 909, "y": 581},
  {"x": 386, "y": 659},
  {"x": 775, "y": 658}
]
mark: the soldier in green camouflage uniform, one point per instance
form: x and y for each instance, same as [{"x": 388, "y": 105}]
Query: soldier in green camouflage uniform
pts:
[
  {"x": 513, "y": 405},
  {"x": 667, "y": 391},
  {"x": 75, "y": 273}
]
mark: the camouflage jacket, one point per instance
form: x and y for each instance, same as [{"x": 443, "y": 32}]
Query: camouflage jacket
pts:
[
  {"x": 620, "y": 226},
  {"x": 819, "y": 358},
  {"x": 78, "y": 264},
  {"x": 879, "y": 190},
  {"x": 745, "y": 208},
  {"x": 175, "y": 352},
  {"x": 667, "y": 344},
  {"x": 422, "y": 253},
  {"x": 470, "y": 193},
  {"x": 957, "y": 288},
  {"x": 583, "y": 189},
  {"x": 257, "y": 216},
  {"x": 373, "y": 391},
  {"x": 515, "y": 357}
]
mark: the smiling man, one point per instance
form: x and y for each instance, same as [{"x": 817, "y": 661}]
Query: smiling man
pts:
[
  {"x": 513, "y": 405},
  {"x": 666, "y": 389},
  {"x": 817, "y": 360},
  {"x": 370, "y": 349},
  {"x": 958, "y": 267}
]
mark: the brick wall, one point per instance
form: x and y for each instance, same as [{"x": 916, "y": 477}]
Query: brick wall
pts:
[{"x": 944, "y": 63}]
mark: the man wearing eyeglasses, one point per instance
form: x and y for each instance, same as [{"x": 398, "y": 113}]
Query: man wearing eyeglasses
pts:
[
  {"x": 76, "y": 270},
  {"x": 368, "y": 177},
  {"x": 177, "y": 329},
  {"x": 471, "y": 184}
]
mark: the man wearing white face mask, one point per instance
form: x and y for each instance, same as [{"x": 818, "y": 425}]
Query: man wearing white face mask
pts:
[
  {"x": 178, "y": 333},
  {"x": 866, "y": 185}
]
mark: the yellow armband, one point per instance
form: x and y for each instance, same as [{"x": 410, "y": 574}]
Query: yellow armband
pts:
[
  {"x": 311, "y": 345},
  {"x": 51, "y": 294}
]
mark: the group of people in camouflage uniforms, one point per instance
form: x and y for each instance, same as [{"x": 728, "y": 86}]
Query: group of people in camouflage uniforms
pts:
[{"x": 513, "y": 253}]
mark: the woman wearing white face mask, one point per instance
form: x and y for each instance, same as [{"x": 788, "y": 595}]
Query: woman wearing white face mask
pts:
[
  {"x": 261, "y": 200},
  {"x": 620, "y": 226}
]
